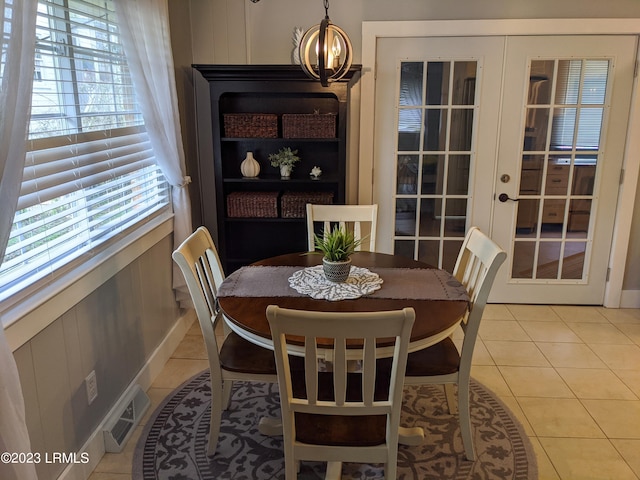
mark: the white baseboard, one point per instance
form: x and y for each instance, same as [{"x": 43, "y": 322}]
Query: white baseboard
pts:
[
  {"x": 630, "y": 299},
  {"x": 94, "y": 446}
]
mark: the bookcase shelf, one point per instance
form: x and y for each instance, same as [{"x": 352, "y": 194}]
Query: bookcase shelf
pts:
[{"x": 268, "y": 89}]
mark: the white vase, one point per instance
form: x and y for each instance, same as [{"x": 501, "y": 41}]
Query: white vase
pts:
[
  {"x": 250, "y": 166},
  {"x": 285, "y": 171}
]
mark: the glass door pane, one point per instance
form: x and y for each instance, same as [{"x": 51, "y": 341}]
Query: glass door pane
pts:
[
  {"x": 436, "y": 109},
  {"x": 560, "y": 158}
]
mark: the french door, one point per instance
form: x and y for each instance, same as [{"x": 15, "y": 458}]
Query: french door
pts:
[{"x": 523, "y": 136}]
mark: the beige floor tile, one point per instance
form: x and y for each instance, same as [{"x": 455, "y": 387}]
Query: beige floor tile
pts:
[
  {"x": 621, "y": 315},
  {"x": 524, "y": 354},
  {"x": 496, "y": 312},
  {"x": 623, "y": 357},
  {"x": 502, "y": 330},
  {"x": 559, "y": 417},
  {"x": 546, "y": 470},
  {"x": 571, "y": 313},
  {"x": 631, "y": 330},
  {"x": 631, "y": 378},
  {"x": 192, "y": 346},
  {"x": 490, "y": 376},
  {"x": 177, "y": 371},
  {"x": 616, "y": 418},
  {"x": 598, "y": 383},
  {"x": 514, "y": 407},
  {"x": 572, "y": 355},
  {"x": 195, "y": 329},
  {"x": 630, "y": 451},
  {"x": 535, "y": 382},
  {"x": 542, "y": 313},
  {"x": 592, "y": 333},
  {"x": 549, "y": 332},
  {"x": 481, "y": 355},
  {"x": 586, "y": 459}
]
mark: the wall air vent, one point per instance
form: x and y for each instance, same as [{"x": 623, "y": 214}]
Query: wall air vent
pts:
[{"x": 125, "y": 418}]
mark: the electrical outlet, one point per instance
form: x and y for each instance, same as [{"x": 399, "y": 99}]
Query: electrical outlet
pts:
[{"x": 92, "y": 386}]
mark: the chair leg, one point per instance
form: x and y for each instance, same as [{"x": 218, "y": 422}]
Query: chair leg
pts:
[
  {"x": 227, "y": 386},
  {"x": 391, "y": 468},
  {"x": 291, "y": 465},
  {"x": 389, "y": 473},
  {"x": 451, "y": 398},
  {"x": 334, "y": 471},
  {"x": 216, "y": 418},
  {"x": 465, "y": 422}
]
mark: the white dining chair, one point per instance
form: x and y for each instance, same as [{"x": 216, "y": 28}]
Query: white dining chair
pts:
[
  {"x": 336, "y": 415},
  {"x": 235, "y": 358},
  {"x": 358, "y": 218},
  {"x": 478, "y": 261}
]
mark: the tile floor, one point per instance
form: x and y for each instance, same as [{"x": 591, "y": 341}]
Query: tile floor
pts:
[{"x": 571, "y": 375}]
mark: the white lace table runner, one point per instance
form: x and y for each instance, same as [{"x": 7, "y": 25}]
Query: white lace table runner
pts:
[
  {"x": 395, "y": 283},
  {"x": 313, "y": 282}
]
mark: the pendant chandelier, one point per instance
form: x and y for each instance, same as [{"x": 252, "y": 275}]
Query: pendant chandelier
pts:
[{"x": 325, "y": 51}]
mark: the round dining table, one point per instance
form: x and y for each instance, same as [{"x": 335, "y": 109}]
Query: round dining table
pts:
[{"x": 436, "y": 316}]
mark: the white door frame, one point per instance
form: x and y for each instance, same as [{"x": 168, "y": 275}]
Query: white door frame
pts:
[{"x": 372, "y": 31}]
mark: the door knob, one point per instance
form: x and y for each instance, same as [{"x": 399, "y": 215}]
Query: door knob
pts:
[{"x": 503, "y": 197}]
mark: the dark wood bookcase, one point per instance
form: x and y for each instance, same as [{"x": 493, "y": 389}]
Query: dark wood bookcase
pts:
[{"x": 270, "y": 89}]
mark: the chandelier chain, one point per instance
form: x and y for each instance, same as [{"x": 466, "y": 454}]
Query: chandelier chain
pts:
[{"x": 326, "y": 8}]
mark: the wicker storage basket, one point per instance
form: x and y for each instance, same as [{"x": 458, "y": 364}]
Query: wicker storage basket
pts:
[
  {"x": 293, "y": 204},
  {"x": 251, "y": 125},
  {"x": 309, "y": 125},
  {"x": 252, "y": 204}
]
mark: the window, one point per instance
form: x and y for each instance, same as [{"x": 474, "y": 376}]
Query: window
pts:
[{"x": 90, "y": 174}]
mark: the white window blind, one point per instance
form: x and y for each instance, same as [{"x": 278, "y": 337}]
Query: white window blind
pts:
[
  {"x": 580, "y": 98},
  {"x": 90, "y": 174}
]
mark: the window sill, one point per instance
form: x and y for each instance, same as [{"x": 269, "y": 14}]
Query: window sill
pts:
[{"x": 27, "y": 318}]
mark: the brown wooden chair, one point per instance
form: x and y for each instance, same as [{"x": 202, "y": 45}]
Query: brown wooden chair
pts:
[
  {"x": 340, "y": 415},
  {"x": 235, "y": 358},
  {"x": 476, "y": 266}
]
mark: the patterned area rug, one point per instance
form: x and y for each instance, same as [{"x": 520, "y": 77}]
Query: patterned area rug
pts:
[{"x": 174, "y": 443}]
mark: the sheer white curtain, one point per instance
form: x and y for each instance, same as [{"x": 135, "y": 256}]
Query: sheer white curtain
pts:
[
  {"x": 144, "y": 28},
  {"x": 16, "y": 71}
]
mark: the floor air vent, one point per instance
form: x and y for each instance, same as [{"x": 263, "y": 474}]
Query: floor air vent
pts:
[{"x": 125, "y": 418}]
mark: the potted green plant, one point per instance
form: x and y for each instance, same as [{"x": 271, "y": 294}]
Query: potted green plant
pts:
[
  {"x": 285, "y": 159},
  {"x": 337, "y": 247}
]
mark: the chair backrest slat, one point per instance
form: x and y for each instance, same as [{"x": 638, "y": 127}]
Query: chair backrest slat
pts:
[
  {"x": 340, "y": 370},
  {"x": 311, "y": 379},
  {"x": 369, "y": 365},
  {"x": 346, "y": 217}
]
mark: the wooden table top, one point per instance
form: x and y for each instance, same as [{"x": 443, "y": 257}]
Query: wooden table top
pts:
[{"x": 435, "y": 319}]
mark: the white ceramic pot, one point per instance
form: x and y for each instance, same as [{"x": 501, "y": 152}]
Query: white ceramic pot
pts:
[{"x": 285, "y": 171}]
